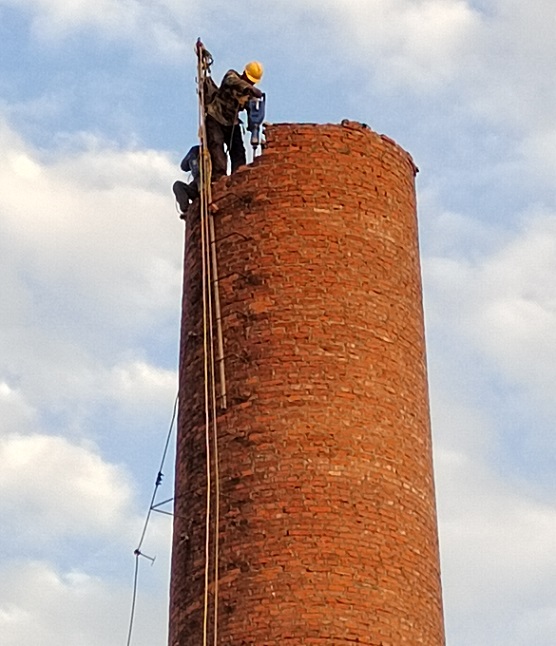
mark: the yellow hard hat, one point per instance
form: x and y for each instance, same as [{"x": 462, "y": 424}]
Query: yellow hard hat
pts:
[{"x": 254, "y": 71}]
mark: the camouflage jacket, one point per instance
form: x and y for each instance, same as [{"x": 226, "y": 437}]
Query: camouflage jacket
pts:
[{"x": 230, "y": 98}]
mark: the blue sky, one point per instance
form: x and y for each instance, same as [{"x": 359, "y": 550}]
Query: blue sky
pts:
[{"x": 97, "y": 107}]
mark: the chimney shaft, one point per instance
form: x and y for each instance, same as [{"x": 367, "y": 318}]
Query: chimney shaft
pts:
[{"x": 327, "y": 513}]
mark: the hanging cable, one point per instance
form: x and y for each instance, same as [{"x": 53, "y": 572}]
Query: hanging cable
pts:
[
  {"x": 159, "y": 477},
  {"x": 133, "y": 599},
  {"x": 152, "y": 507}
]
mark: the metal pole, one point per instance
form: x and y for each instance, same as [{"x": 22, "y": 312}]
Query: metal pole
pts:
[{"x": 217, "y": 311}]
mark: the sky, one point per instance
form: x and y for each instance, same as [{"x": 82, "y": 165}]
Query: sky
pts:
[{"x": 97, "y": 108}]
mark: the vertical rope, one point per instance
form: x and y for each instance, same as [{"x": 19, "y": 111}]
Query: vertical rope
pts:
[
  {"x": 203, "y": 196},
  {"x": 209, "y": 271},
  {"x": 216, "y": 480},
  {"x": 207, "y": 443},
  {"x": 212, "y": 399}
]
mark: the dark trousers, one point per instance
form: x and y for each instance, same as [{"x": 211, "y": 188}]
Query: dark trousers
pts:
[
  {"x": 219, "y": 139},
  {"x": 185, "y": 193}
]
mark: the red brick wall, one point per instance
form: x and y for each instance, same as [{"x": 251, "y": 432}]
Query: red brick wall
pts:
[{"x": 328, "y": 524}]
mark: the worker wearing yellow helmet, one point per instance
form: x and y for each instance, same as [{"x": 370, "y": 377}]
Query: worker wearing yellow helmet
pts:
[{"x": 223, "y": 106}]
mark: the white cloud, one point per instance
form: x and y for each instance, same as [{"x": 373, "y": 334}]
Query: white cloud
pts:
[
  {"x": 15, "y": 412},
  {"x": 505, "y": 303},
  {"x": 137, "y": 386},
  {"x": 504, "y": 57},
  {"x": 491, "y": 310},
  {"x": 537, "y": 625},
  {"x": 43, "y": 606},
  {"x": 139, "y": 376},
  {"x": 491, "y": 65},
  {"x": 498, "y": 562},
  {"x": 85, "y": 279},
  {"x": 515, "y": 62},
  {"x": 158, "y": 23},
  {"x": 538, "y": 149},
  {"x": 51, "y": 488},
  {"x": 417, "y": 43},
  {"x": 91, "y": 260},
  {"x": 496, "y": 532},
  {"x": 496, "y": 61}
]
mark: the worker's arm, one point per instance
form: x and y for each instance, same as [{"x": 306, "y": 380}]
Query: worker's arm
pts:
[{"x": 233, "y": 81}]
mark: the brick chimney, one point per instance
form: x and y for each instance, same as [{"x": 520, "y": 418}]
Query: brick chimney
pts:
[{"x": 328, "y": 532}]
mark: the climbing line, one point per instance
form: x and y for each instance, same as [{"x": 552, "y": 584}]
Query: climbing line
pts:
[
  {"x": 213, "y": 353},
  {"x": 212, "y": 363},
  {"x": 210, "y": 402},
  {"x": 211, "y": 286},
  {"x": 152, "y": 507},
  {"x": 204, "y": 180}
]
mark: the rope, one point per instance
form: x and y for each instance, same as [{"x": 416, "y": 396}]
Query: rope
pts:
[
  {"x": 206, "y": 223},
  {"x": 152, "y": 507},
  {"x": 204, "y": 180},
  {"x": 209, "y": 400},
  {"x": 209, "y": 280},
  {"x": 215, "y": 445}
]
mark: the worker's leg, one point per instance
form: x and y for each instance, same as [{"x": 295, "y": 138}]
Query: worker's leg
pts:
[
  {"x": 181, "y": 196},
  {"x": 182, "y": 193},
  {"x": 236, "y": 147},
  {"x": 215, "y": 142}
]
